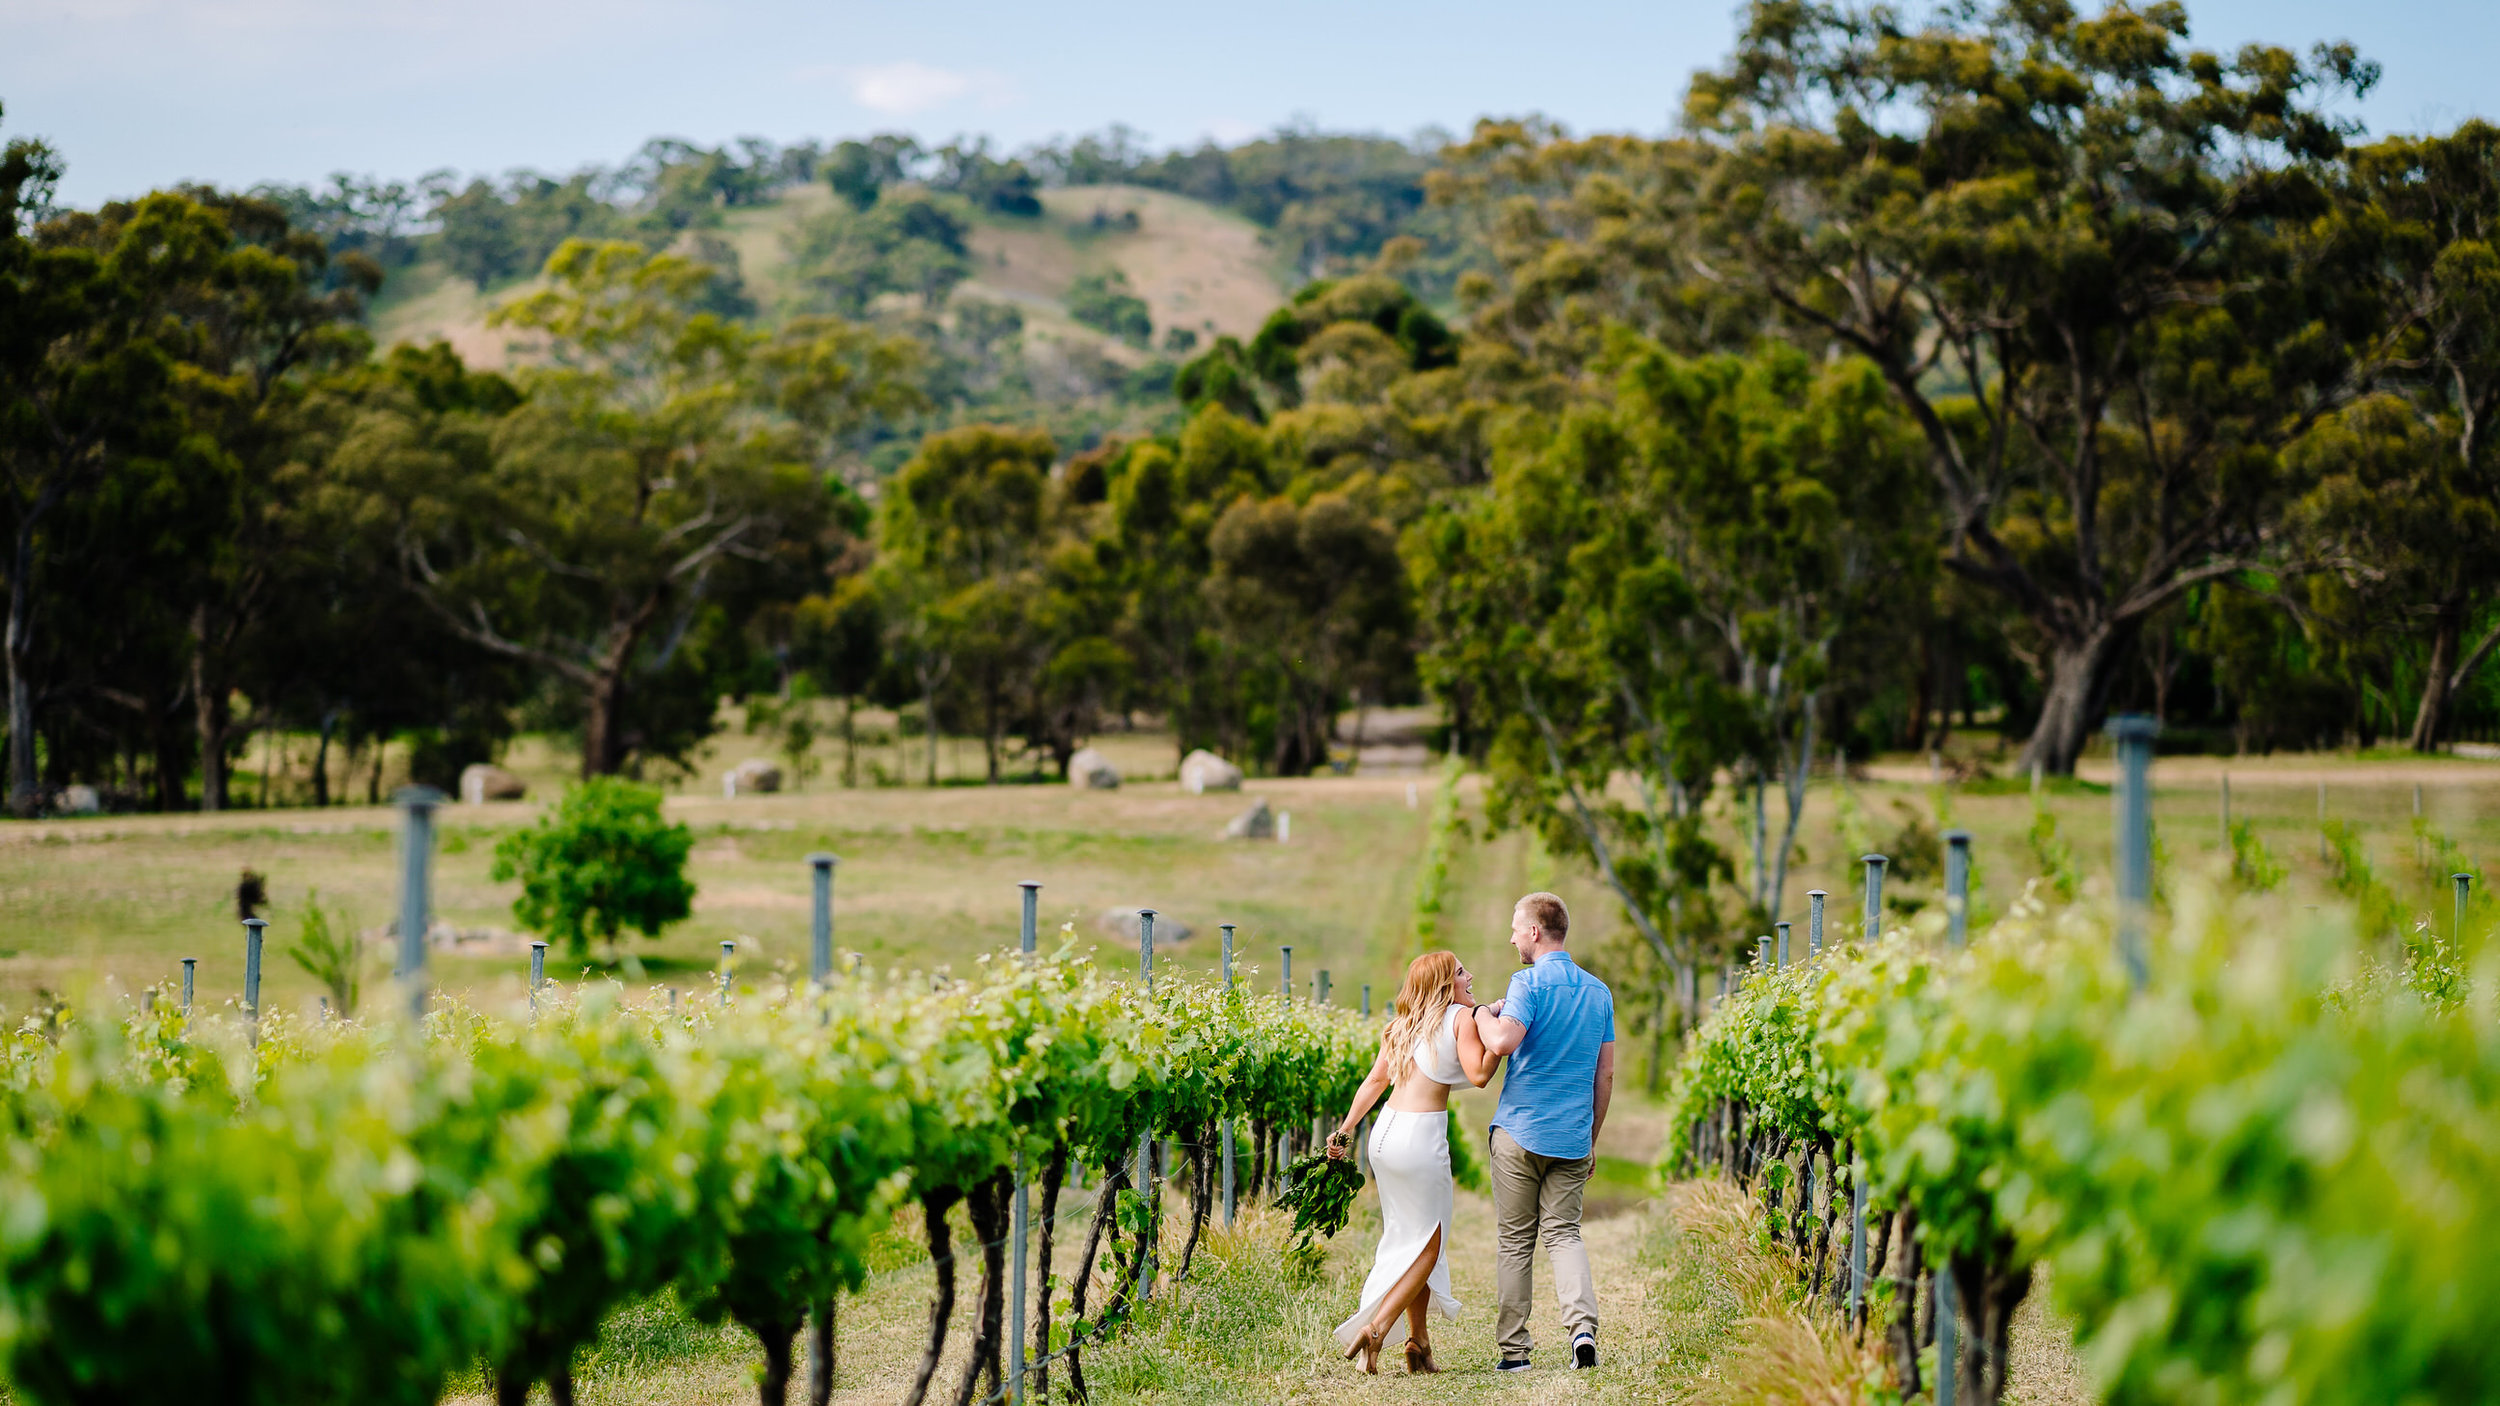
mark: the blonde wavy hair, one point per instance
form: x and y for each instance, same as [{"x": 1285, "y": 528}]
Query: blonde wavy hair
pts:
[{"x": 1422, "y": 1004}]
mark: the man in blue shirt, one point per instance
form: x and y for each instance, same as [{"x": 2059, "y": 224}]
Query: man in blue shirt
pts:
[{"x": 1557, "y": 1025}]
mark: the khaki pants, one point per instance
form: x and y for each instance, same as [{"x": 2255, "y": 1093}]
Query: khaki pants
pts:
[{"x": 1537, "y": 1197}]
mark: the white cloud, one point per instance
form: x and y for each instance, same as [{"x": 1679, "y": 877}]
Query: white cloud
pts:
[
  {"x": 1232, "y": 131},
  {"x": 907, "y": 87}
]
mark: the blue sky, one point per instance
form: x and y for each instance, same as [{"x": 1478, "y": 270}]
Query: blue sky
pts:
[{"x": 142, "y": 93}]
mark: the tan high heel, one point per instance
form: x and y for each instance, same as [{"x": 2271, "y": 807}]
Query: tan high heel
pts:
[
  {"x": 1368, "y": 1345},
  {"x": 1419, "y": 1358}
]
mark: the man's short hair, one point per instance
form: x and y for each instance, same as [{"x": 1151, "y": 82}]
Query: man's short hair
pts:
[{"x": 1548, "y": 913}]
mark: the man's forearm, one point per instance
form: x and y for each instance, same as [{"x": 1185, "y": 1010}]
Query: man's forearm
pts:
[{"x": 1604, "y": 1093}]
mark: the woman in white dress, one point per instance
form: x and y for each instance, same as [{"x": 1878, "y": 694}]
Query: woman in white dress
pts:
[{"x": 1428, "y": 1049}]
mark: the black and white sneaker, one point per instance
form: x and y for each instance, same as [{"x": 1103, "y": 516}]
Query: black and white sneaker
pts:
[
  {"x": 1583, "y": 1352},
  {"x": 1511, "y": 1364}
]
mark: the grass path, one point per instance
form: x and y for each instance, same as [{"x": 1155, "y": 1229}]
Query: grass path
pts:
[
  {"x": 1245, "y": 1329},
  {"x": 1240, "y": 1335},
  {"x": 1682, "y": 1320}
]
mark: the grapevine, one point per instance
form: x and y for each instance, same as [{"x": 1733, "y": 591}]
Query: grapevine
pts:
[
  {"x": 2268, "y": 1176},
  {"x": 354, "y": 1212}
]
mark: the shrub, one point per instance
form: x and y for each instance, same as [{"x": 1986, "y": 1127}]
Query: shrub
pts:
[{"x": 601, "y": 862}]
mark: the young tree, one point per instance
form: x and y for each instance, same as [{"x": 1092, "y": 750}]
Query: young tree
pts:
[{"x": 598, "y": 863}]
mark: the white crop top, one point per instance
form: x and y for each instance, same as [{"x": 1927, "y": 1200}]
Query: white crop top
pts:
[{"x": 1437, "y": 1058}]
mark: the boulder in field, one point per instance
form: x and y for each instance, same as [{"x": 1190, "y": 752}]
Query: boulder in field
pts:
[
  {"x": 481, "y": 782},
  {"x": 1203, "y": 771},
  {"x": 80, "y": 800},
  {"x": 752, "y": 777},
  {"x": 1093, "y": 771},
  {"x": 1256, "y": 823}
]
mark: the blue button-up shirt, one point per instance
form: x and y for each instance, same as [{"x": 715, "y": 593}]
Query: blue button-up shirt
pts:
[{"x": 1549, "y": 1095}]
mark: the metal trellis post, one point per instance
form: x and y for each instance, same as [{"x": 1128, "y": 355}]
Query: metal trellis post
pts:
[
  {"x": 1814, "y": 922},
  {"x": 2321, "y": 818},
  {"x": 1948, "y": 1317},
  {"x": 1285, "y": 982},
  {"x": 1957, "y": 887},
  {"x": 1857, "y": 1242},
  {"x": 1319, "y": 988},
  {"x": 1762, "y": 953},
  {"x": 1027, "y": 935},
  {"x": 1146, "y": 1187},
  {"x": 2134, "y": 733},
  {"x": 190, "y": 968},
  {"x": 1783, "y": 944},
  {"x": 416, "y": 862},
  {"x": 1367, "y": 998},
  {"x": 1228, "y": 1123},
  {"x": 538, "y": 972},
  {"x": 252, "y": 930},
  {"x": 2465, "y": 884},
  {"x": 1874, "y": 894},
  {"x": 728, "y": 950},
  {"x": 820, "y": 928}
]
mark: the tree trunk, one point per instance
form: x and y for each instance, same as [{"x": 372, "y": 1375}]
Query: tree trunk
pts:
[
  {"x": 2080, "y": 674},
  {"x": 1106, "y": 1204},
  {"x": 1054, "y": 1176},
  {"x": 23, "y": 796},
  {"x": 773, "y": 1387},
  {"x": 929, "y": 724},
  {"x": 988, "y": 1203},
  {"x": 560, "y": 1386},
  {"x": 993, "y": 728},
  {"x": 1200, "y": 1199},
  {"x": 209, "y": 714},
  {"x": 1991, "y": 1288},
  {"x": 2431, "y": 717},
  {"x": 821, "y": 1342},
  {"x": 1903, "y": 1338},
  {"x": 850, "y": 742},
  {"x": 601, "y": 754},
  {"x": 933, "y": 1209},
  {"x": 321, "y": 757},
  {"x": 171, "y": 765},
  {"x": 1914, "y": 732}
]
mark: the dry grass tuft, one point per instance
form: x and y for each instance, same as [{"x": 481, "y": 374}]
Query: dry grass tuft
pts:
[{"x": 1790, "y": 1350}]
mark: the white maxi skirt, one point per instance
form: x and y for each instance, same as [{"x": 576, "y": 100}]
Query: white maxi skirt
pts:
[{"x": 1411, "y": 1167}]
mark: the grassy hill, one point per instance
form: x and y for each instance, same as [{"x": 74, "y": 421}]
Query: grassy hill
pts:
[{"x": 1196, "y": 267}]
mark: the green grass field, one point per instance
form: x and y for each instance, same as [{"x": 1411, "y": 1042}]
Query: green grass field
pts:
[{"x": 928, "y": 876}]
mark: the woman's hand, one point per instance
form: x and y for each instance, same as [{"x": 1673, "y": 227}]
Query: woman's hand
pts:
[{"x": 1340, "y": 1144}]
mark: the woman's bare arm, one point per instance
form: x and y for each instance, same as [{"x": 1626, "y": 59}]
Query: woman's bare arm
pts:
[
  {"x": 1473, "y": 1058},
  {"x": 1374, "y": 1084}
]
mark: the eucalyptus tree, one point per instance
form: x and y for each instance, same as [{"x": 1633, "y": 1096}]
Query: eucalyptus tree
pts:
[
  {"x": 649, "y": 495},
  {"x": 2409, "y": 491},
  {"x": 960, "y": 534},
  {"x": 1655, "y": 591},
  {"x": 2077, "y": 250}
]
